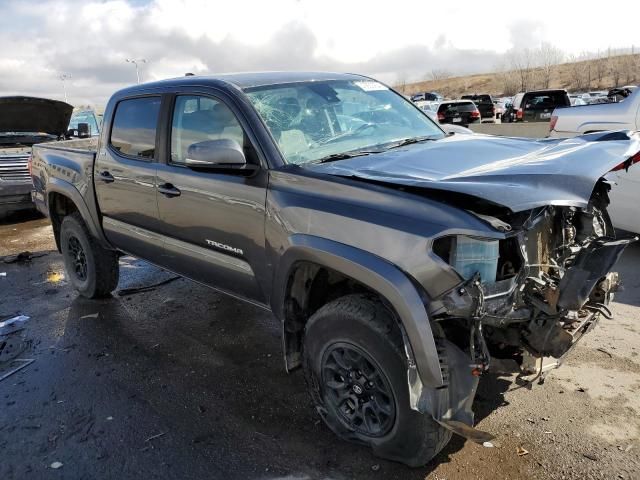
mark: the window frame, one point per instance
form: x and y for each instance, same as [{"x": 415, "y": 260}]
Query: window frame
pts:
[
  {"x": 157, "y": 143},
  {"x": 171, "y": 107}
]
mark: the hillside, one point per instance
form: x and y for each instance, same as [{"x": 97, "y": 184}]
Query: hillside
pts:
[{"x": 593, "y": 74}]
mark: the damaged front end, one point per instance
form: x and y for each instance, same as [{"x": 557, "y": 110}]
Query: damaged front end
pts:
[{"x": 528, "y": 297}]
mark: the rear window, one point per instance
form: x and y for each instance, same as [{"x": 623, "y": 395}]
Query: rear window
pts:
[
  {"x": 545, "y": 100},
  {"x": 134, "y": 127},
  {"x": 478, "y": 98},
  {"x": 456, "y": 107}
]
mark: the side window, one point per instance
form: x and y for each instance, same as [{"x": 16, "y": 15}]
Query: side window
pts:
[
  {"x": 134, "y": 127},
  {"x": 198, "y": 119}
]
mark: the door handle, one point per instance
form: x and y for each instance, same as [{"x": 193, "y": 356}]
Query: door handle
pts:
[
  {"x": 106, "y": 177},
  {"x": 168, "y": 190}
]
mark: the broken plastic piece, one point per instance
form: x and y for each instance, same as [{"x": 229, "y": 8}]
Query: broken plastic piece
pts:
[
  {"x": 24, "y": 363},
  {"x": 18, "y": 319}
]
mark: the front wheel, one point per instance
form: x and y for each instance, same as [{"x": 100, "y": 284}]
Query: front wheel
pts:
[
  {"x": 91, "y": 269},
  {"x": 357, "y": 375}
]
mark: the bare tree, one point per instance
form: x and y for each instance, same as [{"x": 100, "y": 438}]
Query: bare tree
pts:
[
  {"x": 401, "y": 84},
  {"x": 600, "y": 67},
  {"x": 615, "y": 70},
  {"x": 546, "y": 58},
  {"x": 440, "y": 74},
  {"x": 521, "y": 63},
  {"x": 580, "y": 72},
  {"x": 507, "y": 79},
  {"x": 628, "y": 68}
]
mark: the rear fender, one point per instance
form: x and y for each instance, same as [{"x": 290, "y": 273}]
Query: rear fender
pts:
[{"x": 56, "y": 185}]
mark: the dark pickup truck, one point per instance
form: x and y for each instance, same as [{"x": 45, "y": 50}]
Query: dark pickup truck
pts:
[{"x": 398, "y": 259}]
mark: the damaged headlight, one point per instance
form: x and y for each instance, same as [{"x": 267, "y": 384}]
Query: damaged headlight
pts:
[{"x": 470, "y": 255}]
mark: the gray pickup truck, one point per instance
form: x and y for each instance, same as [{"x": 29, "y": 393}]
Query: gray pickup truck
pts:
[
  {"x": 399, "y": 260},
  {"x": 25, "y": 121}
]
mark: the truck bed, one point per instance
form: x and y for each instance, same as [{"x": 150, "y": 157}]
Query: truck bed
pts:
[
  {"x": 77, "y": 144},
  {"x": 69, "y": 162}
]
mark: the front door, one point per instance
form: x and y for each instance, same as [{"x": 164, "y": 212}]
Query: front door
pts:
[
  {"x": 213, "y": 221},
  {"x": 125, "y": 178}
]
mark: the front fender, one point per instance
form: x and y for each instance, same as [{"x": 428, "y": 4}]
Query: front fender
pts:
[{"x": 377, "y": 274}]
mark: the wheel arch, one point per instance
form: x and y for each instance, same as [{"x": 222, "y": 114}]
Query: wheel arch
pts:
[
  {"x": 64, "y": 199},
  {"x": 299, "y": 276}
]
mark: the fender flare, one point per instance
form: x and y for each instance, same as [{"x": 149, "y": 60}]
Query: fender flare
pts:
[
  {"x": 379, "y": 275},
  {"x": 56, "y": 185}
]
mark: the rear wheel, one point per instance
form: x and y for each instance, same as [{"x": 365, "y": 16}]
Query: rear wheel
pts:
[
  {"x": 91, "y": 269},
  {"x": 357, "y": 375}
]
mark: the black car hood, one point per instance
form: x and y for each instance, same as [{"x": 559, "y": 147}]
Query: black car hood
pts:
[
  {"x": 517, "y": 173},
  {"x": 31, "y": 114}
]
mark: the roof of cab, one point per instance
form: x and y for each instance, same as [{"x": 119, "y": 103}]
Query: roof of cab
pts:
[{"x": 245, "y": 80}]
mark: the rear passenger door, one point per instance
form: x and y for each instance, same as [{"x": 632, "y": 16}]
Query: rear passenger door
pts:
[
  {"x": 212, "y": 221},
  {"x": 125, "y": 177}
]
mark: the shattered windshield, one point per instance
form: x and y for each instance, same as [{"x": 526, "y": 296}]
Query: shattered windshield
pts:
[{"x": 312, "y": 121}]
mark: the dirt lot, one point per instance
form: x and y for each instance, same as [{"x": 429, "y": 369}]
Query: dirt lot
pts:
[{"x": 180, "y": 382}]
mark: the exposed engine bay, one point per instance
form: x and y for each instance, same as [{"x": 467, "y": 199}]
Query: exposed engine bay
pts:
[{"x": 533, "y": 294}]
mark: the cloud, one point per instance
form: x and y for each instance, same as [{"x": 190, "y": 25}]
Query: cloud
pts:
[{"x": 89, "y": 41}]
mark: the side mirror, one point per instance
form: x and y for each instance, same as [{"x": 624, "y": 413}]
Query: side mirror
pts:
[
  {"x": 83, "y": 130},
  {"x": 223, "y": 154}
]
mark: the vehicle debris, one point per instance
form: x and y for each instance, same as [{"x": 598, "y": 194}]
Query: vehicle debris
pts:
[
  {"x": 16, "y": 321},
  {"x": 56, "y": 465},
  {"x": 133, "y": 290},
  {"x": 522, "y": 451},
  {"x": 23, "y": 363},
  {"x": 91, "y": 315},
  {"x": 11, "y": 344},
  {"x": 605, "y": 352},
  {"x": 23, "y": 257},
  {"x": 153, "y": 437},
  {"x": 590, "y": 456}
]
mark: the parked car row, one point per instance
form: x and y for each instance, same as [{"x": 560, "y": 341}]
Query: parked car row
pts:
[{"x": 623, "y": 114}]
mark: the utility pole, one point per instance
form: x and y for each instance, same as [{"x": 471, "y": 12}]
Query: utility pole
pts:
[
  {"x": 136, "y": 62},
  {"x": 64, "y": 77}
]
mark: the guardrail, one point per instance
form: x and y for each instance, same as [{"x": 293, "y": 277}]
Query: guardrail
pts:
[{"x": 525, "y": 129}]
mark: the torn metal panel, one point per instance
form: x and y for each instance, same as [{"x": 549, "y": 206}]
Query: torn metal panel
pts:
[{"x": 591, "y": 265}]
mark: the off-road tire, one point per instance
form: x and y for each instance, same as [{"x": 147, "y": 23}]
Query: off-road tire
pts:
[
  {"x": 102, "y": 269},
  {"x": 364, "y": 322}
]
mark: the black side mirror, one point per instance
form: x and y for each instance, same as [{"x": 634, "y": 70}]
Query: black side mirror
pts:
[
  {"x": 223, "y": 154},
  {"x": 83, "y": 130}
]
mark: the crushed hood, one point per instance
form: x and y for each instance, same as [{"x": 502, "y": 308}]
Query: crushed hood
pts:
[
  {"x": 517, "y": 173},
  {"x": 31, "y": 114}
]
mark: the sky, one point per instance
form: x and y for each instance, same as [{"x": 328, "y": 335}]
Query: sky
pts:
[{"x": 89, "y": 40}]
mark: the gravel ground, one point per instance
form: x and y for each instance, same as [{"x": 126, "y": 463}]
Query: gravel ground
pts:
[{"x": 181, "y": 382}]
